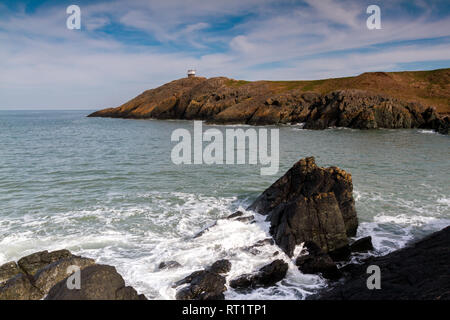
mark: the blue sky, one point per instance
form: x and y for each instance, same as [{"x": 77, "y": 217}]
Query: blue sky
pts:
[{"x": 126, "y": 47}]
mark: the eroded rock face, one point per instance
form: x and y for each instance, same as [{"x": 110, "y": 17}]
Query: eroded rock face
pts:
[
  {"x": 227, "y": 101},
  {"x": 267, "y": 276},
  {"x": 310, "y": 203},
  {"x": 208, "y": 284},
  {"x": 34, "y": 276}
]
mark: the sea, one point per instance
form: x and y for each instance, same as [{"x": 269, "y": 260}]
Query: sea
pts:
[{"x": 108, "y": 189}]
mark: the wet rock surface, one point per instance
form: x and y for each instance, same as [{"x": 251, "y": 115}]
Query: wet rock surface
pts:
[
  {"x": 267, "y": 276},
  {"x": 169, "y": 265},
  {"x": 419, "y": 271},
  {"x": 208, "y": 284},
  {"x": 310, "y": 203}
]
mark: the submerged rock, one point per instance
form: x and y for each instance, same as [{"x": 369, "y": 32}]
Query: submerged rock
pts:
[
  {"x": 310, "y": 203},
  {"x": 235, "y": 215},
  {"x": 208, "y": 284},
  {"x": 172, "y": 264},
  {"x": 267, "y": 276}
]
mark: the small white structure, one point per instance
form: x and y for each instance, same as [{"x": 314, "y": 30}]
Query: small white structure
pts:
[{"x": 191, "y": 73}]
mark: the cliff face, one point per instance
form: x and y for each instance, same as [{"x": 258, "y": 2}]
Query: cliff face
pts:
[{"x": 318, "y": 104}]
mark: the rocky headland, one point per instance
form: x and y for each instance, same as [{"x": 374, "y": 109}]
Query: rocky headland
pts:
[{"x": 371, "y": 100}]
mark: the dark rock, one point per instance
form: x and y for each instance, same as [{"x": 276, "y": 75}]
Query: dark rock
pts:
[
  {"x": 362, "y": 245},
  {"x": 203, "y": 286},
  {"x": 206, "y": 284},
  {"x": 8, "y": 270},
  {"x": 246, "y": 219},
  {"x": 220, "y": 267},
  {"x": 98, "y": 282},
  {"x": 235, "y": 215},
  {"x": 263, "y": 242},
  {"x": 341, "y": 254},
  {"x": 169, "y": 265},
  {"x": 310, "y": 203},
  {"x": 267, "y": 276},
  {"x": 316, "y": 261},
  {"x": 419, "y": 271}
]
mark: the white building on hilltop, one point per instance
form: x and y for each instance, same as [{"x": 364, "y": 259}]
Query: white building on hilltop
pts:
[{"x": 191, "y": 73}]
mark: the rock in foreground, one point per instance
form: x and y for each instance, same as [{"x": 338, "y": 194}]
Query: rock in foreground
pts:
[
  {"x": 208, "y": 284},
  {"x": 45, "y": 274},
  {"x": 417, "y": 272},
  {"x": 310, "y": 203},
  {"x": 98, "y": 282}
]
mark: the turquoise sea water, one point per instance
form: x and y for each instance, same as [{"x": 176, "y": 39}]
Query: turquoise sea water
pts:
[{"x": 107, "y": 189}]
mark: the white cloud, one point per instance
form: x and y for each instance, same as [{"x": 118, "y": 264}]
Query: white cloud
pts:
[{"x": 45, "y": 65}]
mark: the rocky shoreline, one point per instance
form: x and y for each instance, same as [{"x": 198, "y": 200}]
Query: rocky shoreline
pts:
[
  {"x": 309, "y": 207},
  {"x": 226, "y": 101},
  {"x": 44, "y": 275}
]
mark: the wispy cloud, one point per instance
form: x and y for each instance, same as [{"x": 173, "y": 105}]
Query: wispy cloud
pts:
[{"x": 124, "y": 48}]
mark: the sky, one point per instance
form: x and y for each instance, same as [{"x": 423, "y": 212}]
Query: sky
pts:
[{"x": 126, "y": 47}]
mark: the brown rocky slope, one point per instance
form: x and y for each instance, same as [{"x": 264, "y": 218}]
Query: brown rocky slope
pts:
[{"x": 371, "y": 100}]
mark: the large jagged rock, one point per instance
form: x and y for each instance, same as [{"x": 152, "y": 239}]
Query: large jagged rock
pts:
[
  {"x": 366, "y": 102},
  {"x": 208, "y": 284},
  {"x": 35, "y": 275},
  {"x": 310, "y": 203},
  {"x": 98, "y": 282},
  {"x": 420, "y": 271},
  {"x": 267, "y": 276}
]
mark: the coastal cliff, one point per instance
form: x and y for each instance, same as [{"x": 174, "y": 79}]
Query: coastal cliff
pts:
[{"x": 371, "y": 100}]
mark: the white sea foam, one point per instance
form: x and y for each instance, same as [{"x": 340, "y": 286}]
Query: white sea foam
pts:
[
  {"x": 136, "y": 238},
  {"x": 108, "y": 234}
]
